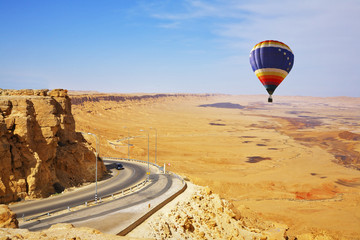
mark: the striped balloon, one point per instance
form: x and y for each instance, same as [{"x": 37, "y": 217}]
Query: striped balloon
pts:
[{"x": 271, "y": 61}]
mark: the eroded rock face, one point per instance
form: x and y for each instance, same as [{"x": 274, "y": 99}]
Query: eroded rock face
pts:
[
  {"x": 40, "y": 152},
  {"x": 207, "y": 216}
]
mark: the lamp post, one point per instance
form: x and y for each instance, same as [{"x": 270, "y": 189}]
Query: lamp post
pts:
[
  {"x": 96, "y": 160},
  {"x": 128, "y": 142},
  {"x": 148, "y": 151},
  {"x": 155, "y": 142}
]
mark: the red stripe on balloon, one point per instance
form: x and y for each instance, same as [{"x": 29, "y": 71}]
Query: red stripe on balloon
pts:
[{"x": 271, "y": 80}]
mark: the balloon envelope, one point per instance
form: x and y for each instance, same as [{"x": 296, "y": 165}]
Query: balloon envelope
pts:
[{"x": 271, "y": 61}]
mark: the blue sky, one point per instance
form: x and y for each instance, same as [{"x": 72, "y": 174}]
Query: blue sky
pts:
[{"x": 187, "y": 46}]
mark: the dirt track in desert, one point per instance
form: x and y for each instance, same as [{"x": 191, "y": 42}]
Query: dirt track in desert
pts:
[{"x": 295, "y": 161}]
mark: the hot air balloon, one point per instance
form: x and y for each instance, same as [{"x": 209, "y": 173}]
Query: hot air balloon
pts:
[{"x": 271, "y": 61}]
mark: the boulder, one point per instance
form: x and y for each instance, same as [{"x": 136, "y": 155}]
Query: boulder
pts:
[{"x": 7, "y": 218}]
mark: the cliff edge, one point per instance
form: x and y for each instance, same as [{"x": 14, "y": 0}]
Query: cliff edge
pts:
[{"x": 40, "y": 152}]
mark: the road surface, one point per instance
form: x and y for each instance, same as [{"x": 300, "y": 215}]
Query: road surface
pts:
[
  {"x": 115, "y": 215},
  {"x": 122, "y": 179}
]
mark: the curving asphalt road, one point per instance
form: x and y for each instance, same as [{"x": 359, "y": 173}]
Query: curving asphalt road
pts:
[
  {"x": 115, "y": 215},
  {"x": 122, "y": 179}
]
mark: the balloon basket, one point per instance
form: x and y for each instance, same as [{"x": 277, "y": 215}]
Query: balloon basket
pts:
[{"x": 270, "y": 99}]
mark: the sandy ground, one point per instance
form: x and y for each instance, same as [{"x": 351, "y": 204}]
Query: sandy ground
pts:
[{"x": 294, "y": 161}]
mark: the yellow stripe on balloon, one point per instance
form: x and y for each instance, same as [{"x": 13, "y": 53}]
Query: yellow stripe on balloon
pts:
[
  {"x": 271, "y": 71},
  {"x": 271, "y": 44}
]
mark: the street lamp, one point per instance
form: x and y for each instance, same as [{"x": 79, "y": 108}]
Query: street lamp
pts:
[
  {"x": 128, "y": 142},
  {"x": 155, "y": 142},
  {"x": 148, "y": 151},
  {"x": 96, "y": 160}
]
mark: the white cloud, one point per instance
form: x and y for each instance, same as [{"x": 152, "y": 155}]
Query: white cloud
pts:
[
  {"x": 323, "y": 34},
  {"x": 172, "y": 25},
  {"x": 307, "y": 21},
  {"x": 195, "y": 9}
]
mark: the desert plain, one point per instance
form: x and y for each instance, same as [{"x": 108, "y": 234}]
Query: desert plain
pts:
[{"x": 295, "y": 161}]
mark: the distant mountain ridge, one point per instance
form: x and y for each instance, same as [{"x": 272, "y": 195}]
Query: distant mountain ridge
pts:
[{"x": 80, "y": 99}]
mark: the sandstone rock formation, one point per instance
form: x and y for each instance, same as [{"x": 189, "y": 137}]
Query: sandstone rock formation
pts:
[
  {"x": 207, "y": 216},
  {"x": 40, "y": 152},
  {"x": 7, "y": 218}
]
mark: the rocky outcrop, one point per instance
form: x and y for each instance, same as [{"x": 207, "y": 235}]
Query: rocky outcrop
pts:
[
  {"x": 7, "y": 218},
  {"x": 40, "y": 152},
  {"x": 207, "y": 216}
]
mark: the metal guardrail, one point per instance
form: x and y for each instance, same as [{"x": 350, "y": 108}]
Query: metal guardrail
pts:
[{"x": 123, "y": 192}]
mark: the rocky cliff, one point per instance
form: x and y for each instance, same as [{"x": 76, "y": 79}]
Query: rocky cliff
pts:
[{"x": 40, "y": 152}]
